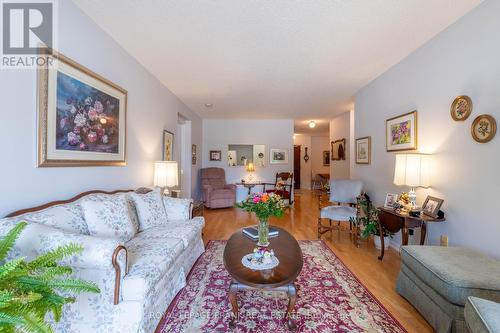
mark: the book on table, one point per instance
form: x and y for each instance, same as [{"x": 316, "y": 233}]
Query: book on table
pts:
[{"x": 253, "y": 232}]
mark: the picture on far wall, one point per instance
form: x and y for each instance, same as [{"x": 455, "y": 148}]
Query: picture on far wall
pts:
[
  {"x": 168, "y": 146},
  {"x": 215, "y": 155},
  {"x": 363, "y": 150},
  {"x": 193, "y": 154},
  {"x": 81, "y": 117},
  {"x": 402, "y": 132},
  {"x": 326, "y": 158},
  {"x": 338, "y": 150},
  {"x": 279, "y": 156}
]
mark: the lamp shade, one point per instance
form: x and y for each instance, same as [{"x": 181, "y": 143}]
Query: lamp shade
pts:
[
  {"x": 250, "y": 167},
  {"x": 166, "y": 174},
  {"x": 413, "y": 170}
]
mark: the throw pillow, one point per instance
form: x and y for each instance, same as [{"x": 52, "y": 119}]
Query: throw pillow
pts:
[
  {"x": 177, "y": 209},
  {"x": 108, "y": 216},
  {"x": 150, "y": 209}
]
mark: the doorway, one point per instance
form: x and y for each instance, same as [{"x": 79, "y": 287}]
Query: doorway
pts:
[
  {"x": 184, "y": 131},
  {"x": 296, "y": 166}
]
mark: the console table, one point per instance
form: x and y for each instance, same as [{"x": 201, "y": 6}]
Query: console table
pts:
[{"x": 393, "y": 221}]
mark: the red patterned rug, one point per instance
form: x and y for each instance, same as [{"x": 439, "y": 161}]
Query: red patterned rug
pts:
[{"x": 330, "y": 299}]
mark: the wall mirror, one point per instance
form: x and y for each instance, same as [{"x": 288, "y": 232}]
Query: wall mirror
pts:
[
  {"x": 241, "y": 155},
  {"x": 338, "y": 150}
]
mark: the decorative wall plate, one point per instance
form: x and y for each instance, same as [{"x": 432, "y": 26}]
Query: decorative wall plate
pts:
[
  {"x": 461, "y": 108},
  {"x": 484, "y": 128}
]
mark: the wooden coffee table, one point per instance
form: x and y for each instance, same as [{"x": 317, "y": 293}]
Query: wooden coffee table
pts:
[{"x": 280, "y": 278}]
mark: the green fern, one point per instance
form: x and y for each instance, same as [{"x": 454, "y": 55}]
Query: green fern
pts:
[{"x": 29, "y": 290}]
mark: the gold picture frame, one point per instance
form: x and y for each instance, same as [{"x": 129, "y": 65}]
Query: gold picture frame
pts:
[
  {"x": 461, "y": 108},
  {"x": 337, "y": 150},
  {"x": 51, "y": 152},
  {"x": 484, "y": 128},
  {"x": 407, "y": 139}
]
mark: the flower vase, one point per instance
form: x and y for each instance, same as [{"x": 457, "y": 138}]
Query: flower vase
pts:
[{"x": 263, "y": 233}]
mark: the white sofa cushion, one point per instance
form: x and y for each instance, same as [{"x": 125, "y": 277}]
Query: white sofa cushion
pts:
[
  {"x": 108, "y": 216},
  {"x": 67, "y": 217},
  {"x": 150, "y": 209},
  {"x": 186, "y": 230},
  {"x": 150, "y": 256},
  {"x": 177, "y": 209}
]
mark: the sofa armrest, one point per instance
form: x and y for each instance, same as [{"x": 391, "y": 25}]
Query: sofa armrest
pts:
[{"x": 103, "y": 254}]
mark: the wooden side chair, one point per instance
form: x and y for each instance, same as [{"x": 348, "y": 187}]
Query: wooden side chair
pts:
[
  {"x": 341, "y": 206},
  {"x": 283, "y": 186}
]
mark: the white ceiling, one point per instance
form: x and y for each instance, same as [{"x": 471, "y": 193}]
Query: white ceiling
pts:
[{"x": 271, "y": 58}]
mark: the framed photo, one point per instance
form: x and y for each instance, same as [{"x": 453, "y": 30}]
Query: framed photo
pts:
[
  {"x": 461, "y": 108},
  {"x": 432, "y": 206},
  {"x": 193, "y": 154},
  {"x": 338, "y": 150},
  {"x": 402, "y": 132},
  {"x": 279, "y": 156},
  {"x": 81, "y": 117},
  {"x": 326, "y": 158},
  {"x": 215, "y": 155},
  {"x": 390, "y": 200},
  {"x": 484, "y": 128},
  {"x": 168, "y": 146},
  {"x": 364, "y": 150}
]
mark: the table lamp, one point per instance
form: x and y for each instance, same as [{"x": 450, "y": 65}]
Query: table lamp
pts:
[
  {"x": 166, "y": 175},
  {"x": 413, "y": 170},
  {"x": 250, "y": 170}
]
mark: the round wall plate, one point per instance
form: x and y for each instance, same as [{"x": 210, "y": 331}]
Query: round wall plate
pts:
[
  {"x": 484, "y": 128},
  {"x": 461, "y": 108}
]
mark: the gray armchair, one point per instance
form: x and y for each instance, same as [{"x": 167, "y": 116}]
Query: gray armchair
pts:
[{"x": 216, "y": 193}]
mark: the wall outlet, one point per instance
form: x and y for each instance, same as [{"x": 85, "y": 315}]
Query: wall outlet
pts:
[{"x": 444, "y": 240}]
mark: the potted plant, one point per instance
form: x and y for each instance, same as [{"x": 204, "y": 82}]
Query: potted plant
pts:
[
  {"x": 367, "y": 220},
  {"x": 264, "y": 205},
  {"x": 29, "y": 290}
]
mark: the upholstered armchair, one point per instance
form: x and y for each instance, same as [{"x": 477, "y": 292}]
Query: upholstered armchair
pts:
[
  {"x": 216, "y": 193},
  {"x": 342, "y": 205}
]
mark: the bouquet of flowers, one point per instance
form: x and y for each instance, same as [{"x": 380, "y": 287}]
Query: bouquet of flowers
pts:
[{"x": 264, "y": 205}]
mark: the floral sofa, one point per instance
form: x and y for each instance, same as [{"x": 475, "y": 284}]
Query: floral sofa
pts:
[{"x": 138, "y": 248}]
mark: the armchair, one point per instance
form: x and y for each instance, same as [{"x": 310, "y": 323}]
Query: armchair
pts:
[
  {"x": 342, "y": 205},
  {"x": 283, "y": 186},
  {"x": 216, "y": 193}
]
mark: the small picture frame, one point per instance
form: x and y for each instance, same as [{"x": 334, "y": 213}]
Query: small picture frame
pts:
[
  {"x": 326, "y": 157},
  {"x": 461, "y": 108},
  {"x": 215, "y": 155},
  {"x": 402, "y": 132},
  {"x": 168, "y": 146},
  {"x": 390, "y": 200},
  {"x": 363, "y": 150},
  {"x": 279, "y": 156},
  {"x": 431, "y": 206}
]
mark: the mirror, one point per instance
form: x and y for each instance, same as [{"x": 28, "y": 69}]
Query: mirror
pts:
[
  {"x": 338, "y": 150},
  {"x": 241, "y": 155}
]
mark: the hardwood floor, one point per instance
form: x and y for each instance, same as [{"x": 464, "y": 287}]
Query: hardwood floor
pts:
[{"x": 378, "y": 276}]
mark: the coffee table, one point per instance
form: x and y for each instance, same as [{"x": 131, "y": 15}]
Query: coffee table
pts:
[{"x": 280, "y": 278}]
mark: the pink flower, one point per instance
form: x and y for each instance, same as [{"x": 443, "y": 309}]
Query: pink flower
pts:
[
  {"x": 93, "y": 114},
  {"x": 83, "y": 146},
  {"x": 92, "y": 136},
  {"x": 256, "y": 199}
]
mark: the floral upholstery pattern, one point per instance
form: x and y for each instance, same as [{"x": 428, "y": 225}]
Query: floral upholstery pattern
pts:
[
  {"x": 108, "y": 216},
  {"x": 177, "y": 209},
  {"x": 67, "y": 217},
  {"x": 150, "y": 209},
  {"x": 158, "y": 259}
]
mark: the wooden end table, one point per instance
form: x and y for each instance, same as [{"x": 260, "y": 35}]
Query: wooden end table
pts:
[
  {"x": 393, "y": 221},
  {"x": 198, "y": 209},
  {"x": 280, "y": 278}
]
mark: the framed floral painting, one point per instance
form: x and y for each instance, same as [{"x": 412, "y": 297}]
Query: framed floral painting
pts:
[
  {"x": 401, "y": 132},
  {"x": 168, "y": 146},
  {"x": 363, "y": 150},
  {"x": 81, "y": 117}
]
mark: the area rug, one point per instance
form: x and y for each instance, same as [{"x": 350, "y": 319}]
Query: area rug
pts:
[{"x": 330, "y": 299}]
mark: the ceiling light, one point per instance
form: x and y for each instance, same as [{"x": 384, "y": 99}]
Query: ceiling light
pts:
[
  {"x": 312, "y": 124},
  {"x": 208, "y": 105}
]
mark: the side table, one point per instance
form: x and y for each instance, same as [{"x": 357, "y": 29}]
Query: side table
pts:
[
  {"x": 198, "y": 209},
  {"x": 393, "y": 221}
]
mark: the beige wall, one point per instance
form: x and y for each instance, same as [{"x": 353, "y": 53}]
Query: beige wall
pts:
[
  {"x": 305, "y": 168},
  {"x": 340, "y": 128},
  {"x": 319, "y": 144}
]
